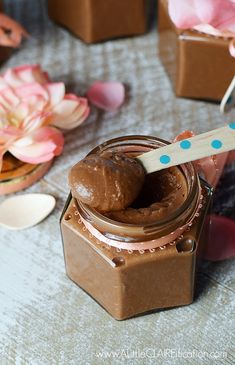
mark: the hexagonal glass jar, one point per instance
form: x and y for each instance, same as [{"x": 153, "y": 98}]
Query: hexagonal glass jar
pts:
[{"x": 130, "y": 282}]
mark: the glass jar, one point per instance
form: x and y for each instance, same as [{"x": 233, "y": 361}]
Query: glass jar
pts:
[{"x": 133, "y": 268}]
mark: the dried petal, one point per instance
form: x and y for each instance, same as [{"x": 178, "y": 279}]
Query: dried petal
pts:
[{"x": 106, "y": 95}]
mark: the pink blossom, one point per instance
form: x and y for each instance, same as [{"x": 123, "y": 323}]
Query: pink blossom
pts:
[
  {"x": 31, "y": 110},
  {"x": 215, "y": 17}
]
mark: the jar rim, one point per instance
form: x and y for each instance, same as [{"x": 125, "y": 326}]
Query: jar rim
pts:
[{"x": 129, "y": 140}]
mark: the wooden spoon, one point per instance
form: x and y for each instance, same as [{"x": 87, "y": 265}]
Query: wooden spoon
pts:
[
  {"x": 103, "y": 182},
  {"x": 191, "y": 149}
]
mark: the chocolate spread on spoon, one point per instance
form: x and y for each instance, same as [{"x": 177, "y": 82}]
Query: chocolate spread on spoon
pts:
[{"x": 107, "y": 182}]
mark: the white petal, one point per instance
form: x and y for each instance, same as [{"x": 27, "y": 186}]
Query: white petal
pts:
[
  {"x": 56, "y": 92},
  {"x": 24, "y": 211}
]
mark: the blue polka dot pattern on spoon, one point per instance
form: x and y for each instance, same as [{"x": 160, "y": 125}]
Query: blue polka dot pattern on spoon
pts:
[
  {"x": 185, "y": 144},
  {"x": 165, "y": 159},
  {"x": 190, "y": 148},
  {"x": 216, "y": 143}
]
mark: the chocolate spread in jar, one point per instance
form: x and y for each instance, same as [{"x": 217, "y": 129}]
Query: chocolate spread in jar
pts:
[
  {"x": 108, "y": 181},
  {"x": 162, "y": 193},
  {"x": 116, "y": 185}
]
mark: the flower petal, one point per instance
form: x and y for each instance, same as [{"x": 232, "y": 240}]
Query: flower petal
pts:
[
  {"x": 9, "y": 133},
  {"x": 65, "y": 108},
  {"x": 36, "y": 103},
  {"x": 56, "y": 92},
  {"x": 224, "y": 15},
  {"x": 78, "y": 117},
  {"x": 210, "y": 16},
  {"x": 30, "y": 74},
  {"x": 106, "y": 95},
  {"x": 21, "y": 111},
  {"x": 45, "y": 143},
  {"x": 70, "y": 112},
  {"x": 8, "y": 98},
  {"x": 183, "y": 13},
  {"x": 26, "y": 74},
  {"x": 207, "y": 10},
  {"x": 35, "y": 121},
  {"x": 3, "y": 83},
  {"x": 221, "y": 242},
  {"x": 27, "y": 90},
  {"x": 3, "y": 110},
  {"x": 11, "y": 78}
]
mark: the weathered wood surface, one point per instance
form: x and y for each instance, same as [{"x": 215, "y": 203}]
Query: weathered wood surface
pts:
[{"x": 45, "y": 318}]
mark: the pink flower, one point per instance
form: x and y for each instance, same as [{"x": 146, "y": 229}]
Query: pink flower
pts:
[
  {"x": 30, "y": 109},
  {"x": 215, "y": 17}
]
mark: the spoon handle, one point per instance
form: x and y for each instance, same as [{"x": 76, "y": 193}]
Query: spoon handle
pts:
[{"x": 191, "y": 149}]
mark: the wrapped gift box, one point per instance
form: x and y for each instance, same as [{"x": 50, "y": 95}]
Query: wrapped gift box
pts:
[
  {"x": 199, "y": 65},
  {"x": 99, "y": 20}
]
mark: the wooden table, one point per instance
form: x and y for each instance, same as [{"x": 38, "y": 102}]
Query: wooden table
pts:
[{"x": 47, "y": 319}]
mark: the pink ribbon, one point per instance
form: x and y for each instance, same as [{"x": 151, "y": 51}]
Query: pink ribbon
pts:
[
  {"x": 145, "y": 245},
  {"x": 209, "y": 29},
  {"x": 135, "y": 246}
]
